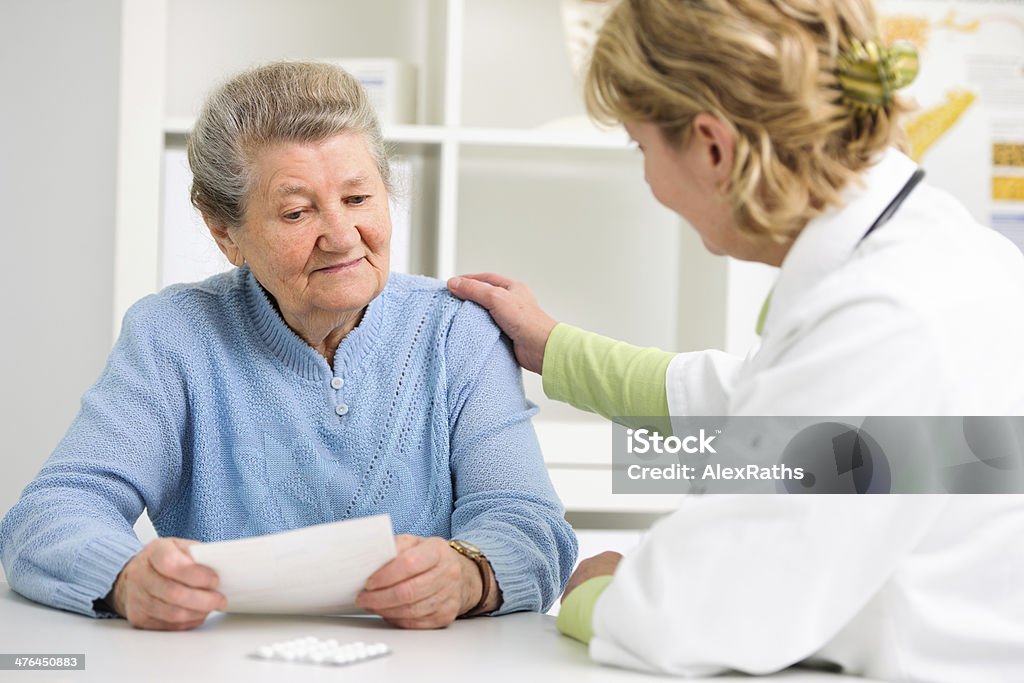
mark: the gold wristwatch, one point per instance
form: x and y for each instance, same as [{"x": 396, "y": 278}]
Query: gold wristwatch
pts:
[{"x": 486, "y": 578}]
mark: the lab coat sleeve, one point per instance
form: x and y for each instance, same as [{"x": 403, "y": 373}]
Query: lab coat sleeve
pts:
[
  {"x": 701, "y": 382},
  {"x": 752, "y": 583}
]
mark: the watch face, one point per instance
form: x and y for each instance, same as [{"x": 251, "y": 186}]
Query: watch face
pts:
[{"x": 468, "y": 547}]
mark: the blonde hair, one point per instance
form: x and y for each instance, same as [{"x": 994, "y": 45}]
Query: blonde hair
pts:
[
  {"x": 297, "y": 102},
  {"x": 767, "y": 69}
]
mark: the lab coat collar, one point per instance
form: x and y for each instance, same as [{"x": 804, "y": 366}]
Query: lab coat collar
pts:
[{"x": 827, "y": 241}]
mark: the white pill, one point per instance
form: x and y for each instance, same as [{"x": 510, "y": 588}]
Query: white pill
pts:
[{"x": 312, "y": 650}]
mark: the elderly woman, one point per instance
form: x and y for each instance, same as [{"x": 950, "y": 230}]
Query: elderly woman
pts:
[
  {"x": 304, "y": 386},
  {"x": 769, "y": 126}
]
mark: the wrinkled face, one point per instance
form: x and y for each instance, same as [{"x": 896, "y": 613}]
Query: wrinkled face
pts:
[{"x": 317, "y": 227}]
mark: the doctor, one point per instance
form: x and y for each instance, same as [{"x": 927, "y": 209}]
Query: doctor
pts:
[{"x": 771, "y": 127}]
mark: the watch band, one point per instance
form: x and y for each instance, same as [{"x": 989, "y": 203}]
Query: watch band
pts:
[{"x": 486, "y": 578}]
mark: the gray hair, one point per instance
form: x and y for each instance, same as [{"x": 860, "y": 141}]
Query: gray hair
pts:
[{"x": 298, "y": 102}]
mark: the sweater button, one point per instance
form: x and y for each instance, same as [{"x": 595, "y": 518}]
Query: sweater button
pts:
[
  {"x": 341, "y": 409},
  {"x": 337, "y": 383}
]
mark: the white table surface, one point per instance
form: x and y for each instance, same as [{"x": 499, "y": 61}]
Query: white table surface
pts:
[{"x": 516, "y": 647}]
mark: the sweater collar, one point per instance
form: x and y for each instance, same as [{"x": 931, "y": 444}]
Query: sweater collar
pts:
[
  {"x": 829, "y": 240},
  {"x": 293, "y": 351}
]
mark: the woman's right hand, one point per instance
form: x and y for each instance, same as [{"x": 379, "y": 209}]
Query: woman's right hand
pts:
[
  {"x": 162, "y": 588},
  {"x": 514, "y": 309}
]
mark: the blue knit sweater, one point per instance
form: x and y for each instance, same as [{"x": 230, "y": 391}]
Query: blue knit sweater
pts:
[{"x": 218, "y": 419}]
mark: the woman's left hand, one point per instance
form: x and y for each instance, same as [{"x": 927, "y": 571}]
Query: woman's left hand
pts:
[
  {"x": 598, "y": 565},
  {"x": 428, "y": 585}
]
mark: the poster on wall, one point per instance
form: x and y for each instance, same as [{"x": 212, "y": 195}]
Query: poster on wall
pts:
[{"x": 968, "y": 129}]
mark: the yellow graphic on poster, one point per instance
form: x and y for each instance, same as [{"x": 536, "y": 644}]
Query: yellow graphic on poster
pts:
[
  {"x": 1009, "y": 189},
  {"x": 1008, "y": 154},
  {"x": 926, "y": 128}
]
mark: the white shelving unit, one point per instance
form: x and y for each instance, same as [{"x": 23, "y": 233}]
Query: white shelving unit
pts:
[{"x": 514, "y": 179}]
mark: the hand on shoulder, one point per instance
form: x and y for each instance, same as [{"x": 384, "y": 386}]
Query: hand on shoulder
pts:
[{"x": 515, "y": 310}]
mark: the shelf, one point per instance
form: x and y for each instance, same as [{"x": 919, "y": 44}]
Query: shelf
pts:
[
  {"x": 178, "y": 125},
  {"x": 544, "y": 137},
  {"x": 590, "y": 491},
  {"x": 182, "y": 125},
  {"x": 416, "y": 134},
  {"x": 578, "y": 455},
  {"x": 583, "y": 444},
  {"x": 563, "y": 138}
]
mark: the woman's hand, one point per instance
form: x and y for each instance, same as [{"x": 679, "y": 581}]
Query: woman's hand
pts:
[
  {"x": 514, "y": 309},
  {"x": 603, "y": 564},
  {"x": 162, "y": 588},
  {"x": 427, "y": 585}
]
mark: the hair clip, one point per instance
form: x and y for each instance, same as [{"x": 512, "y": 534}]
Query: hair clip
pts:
[{"x": 870, "y": 75}]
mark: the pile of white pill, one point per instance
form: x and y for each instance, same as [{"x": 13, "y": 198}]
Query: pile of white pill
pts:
[{"x": 310, "y": 650}]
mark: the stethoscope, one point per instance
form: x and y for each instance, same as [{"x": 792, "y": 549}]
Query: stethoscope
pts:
[
  {"x": 897, "y": 201},
  {"x": 882, "y": 219}
]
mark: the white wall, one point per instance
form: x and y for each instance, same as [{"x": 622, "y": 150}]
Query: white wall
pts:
[{"x": 58, "y": 117}]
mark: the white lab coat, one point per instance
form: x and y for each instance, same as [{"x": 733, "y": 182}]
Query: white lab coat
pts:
[{"x": 924, "y": 317}]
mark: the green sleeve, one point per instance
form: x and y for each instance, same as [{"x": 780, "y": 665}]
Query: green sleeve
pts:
[
  {"x": 575, "y": 616},
  {"x": 604, "y": 376}
]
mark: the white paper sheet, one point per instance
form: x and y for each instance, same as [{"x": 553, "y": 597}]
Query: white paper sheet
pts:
[{"x": 316, "y": 570}]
